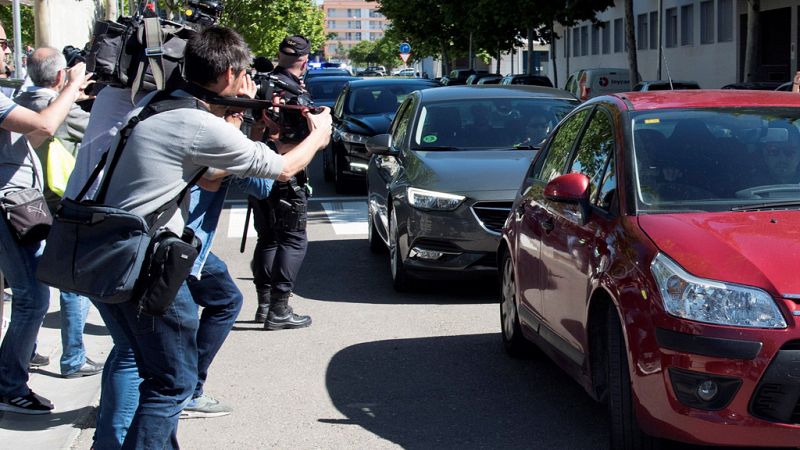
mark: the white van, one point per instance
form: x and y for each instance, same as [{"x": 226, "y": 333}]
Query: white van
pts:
[{"x": 588, "y": 83}]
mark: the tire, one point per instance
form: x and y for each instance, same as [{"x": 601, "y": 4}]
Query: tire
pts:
[
  {"x": 514, "y": 342},
  {"x": 401, "y": 281},
  {"x": 376, "y": 245},
  {"x": 625, "y": 431}
]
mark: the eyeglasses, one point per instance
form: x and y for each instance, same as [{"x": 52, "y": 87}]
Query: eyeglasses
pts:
[
  {"x": 4, "y": 44},
  {"x": 774, "y": 151}
]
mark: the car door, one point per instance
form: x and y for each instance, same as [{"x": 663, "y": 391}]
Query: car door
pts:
[
  {"x": 533, "y": 224},
  {"x": 578, "y": 238},
  {"x": 385, "y": 168}
]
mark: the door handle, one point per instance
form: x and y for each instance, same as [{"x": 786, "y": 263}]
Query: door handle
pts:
[{"x": 547, "y": 225}]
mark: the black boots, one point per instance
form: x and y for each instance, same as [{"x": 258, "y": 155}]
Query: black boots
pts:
[
  {"x": 281, "y": 316},
  {"x": 263, "y": 305}
]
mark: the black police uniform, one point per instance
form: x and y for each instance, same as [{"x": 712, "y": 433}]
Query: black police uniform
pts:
[{"x": 280, "y": 221}]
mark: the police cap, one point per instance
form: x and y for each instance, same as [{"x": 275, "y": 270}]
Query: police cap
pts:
[{"x": 294, "y": 46}]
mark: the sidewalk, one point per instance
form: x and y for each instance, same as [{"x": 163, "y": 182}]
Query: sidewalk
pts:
[{"x": 74, "y": 399}]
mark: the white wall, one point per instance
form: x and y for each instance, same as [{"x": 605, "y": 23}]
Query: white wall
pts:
[{"x": 72, "y": 21}]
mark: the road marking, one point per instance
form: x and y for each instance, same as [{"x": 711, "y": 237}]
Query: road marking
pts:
[
  {"x": 347, "y": 217},
  {"x": 242, "y": 201},
  {"x": 236, "y": 222}
]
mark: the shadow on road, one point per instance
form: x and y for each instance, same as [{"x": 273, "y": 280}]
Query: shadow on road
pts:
[
  {"x": 344, "y": 270},
  {"x": 461, "y": 392}
]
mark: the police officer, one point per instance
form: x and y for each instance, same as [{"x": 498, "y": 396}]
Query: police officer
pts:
[{"x": 280, "y": 219}]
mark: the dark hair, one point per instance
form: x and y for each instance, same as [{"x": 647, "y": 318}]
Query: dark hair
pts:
[{"x": 212, "y": 51}]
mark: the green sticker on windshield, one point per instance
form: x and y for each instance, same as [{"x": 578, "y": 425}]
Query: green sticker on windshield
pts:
[{"x": 430, "y": 139}]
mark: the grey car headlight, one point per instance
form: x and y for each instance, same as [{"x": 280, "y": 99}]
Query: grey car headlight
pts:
[
  {"x": 354, "y": 138},
  {"x": 440, "y": 201},
  {"x": 709, "y": 301}
]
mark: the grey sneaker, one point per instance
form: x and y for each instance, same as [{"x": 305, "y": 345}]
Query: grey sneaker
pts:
[{"x": 205, "y": 406}]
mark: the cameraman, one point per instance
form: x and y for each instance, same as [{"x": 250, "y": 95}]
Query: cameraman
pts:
[
  {"x": 280, "y": 219},
  {"x": 161, "y": 154}
]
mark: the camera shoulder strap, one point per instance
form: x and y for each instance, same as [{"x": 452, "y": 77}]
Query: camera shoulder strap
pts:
[{"x": 151, "y": 37}]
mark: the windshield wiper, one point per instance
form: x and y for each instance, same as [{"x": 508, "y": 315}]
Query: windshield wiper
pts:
[
  {"x": 526, "y": 147},
  {"x": 434, "y": 147},
  {"x": 768, "y": 205}
]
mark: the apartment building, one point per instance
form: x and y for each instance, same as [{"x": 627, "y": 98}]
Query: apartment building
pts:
[
  {"x": 701, "y": 40},
  {"x": 352, "y": 21}
]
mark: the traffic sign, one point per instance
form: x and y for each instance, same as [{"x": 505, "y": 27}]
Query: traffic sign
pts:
[
  {"x": 405, "y": 47},
  {"x": 404, "y": 57}
]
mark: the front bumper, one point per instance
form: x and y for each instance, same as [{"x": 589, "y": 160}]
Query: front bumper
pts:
[{"x": 754, "y": 376}]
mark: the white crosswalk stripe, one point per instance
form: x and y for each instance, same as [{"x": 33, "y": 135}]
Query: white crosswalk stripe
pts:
[{"x": 346, "y": 217}]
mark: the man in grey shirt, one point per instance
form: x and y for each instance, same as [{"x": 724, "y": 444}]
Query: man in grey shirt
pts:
[{"x": 162, "y": 154}]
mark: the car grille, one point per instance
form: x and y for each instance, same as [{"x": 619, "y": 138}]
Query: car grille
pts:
[
  {"x": 492, "y": 215},
  {"x": 777, "y": 397}
]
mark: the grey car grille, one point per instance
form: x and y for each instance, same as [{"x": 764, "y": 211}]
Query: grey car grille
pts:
[{"x": 492, "y": 215}]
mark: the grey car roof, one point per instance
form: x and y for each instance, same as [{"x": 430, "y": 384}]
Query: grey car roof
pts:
[
  {"x": 392, "y": 81},
  {"x": 493, "y": 91}
]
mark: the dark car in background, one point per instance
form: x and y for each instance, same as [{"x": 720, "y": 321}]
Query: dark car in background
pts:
[
  {"x": 325, "y": 90},
  {"x": 458, "y": 77},
  {"x": 363, "y": 109},
  {"x": 326, "y": 73},
  {"x": 475, "y": 77},
  {"x": 441, "y": 183},
  {"x": 491, "y": 79},
  {"x": 530, "y": 80},
  {"x": 665, "y": 85},
  {"x": 652, "y": 254},
  {"x": 754, "y": 85}
]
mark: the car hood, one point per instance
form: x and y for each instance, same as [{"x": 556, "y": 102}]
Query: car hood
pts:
[
  {"x": 468, "y": 171},
  {"x": 752, "y": 248},
  {"x": 369, "y": 125}
]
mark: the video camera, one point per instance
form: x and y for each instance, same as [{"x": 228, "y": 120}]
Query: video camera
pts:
[
  {"x": 204, "y": 12},
  {"x": 294, "y": 127},
  {"x": 74, "y": 55}
]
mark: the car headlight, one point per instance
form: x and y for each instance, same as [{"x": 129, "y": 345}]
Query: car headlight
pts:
[
  {"x": 422, "y": 199},
  {"x": 709, "y": 301},
  {"x": 354, "y": 138}
]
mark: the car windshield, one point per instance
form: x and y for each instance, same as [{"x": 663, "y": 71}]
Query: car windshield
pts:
[
  {"x": 323, "y": 89},
  {"x": 716, "y": 160},
  {"x": 381, "y": 99},
  {"x": 467, "y": 124}
]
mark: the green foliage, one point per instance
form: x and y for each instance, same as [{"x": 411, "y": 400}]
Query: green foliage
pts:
[
  {"x": 264, "y": 24},
  {"x": 384, "y": 52},
  {"x": 26, "y": 16}
]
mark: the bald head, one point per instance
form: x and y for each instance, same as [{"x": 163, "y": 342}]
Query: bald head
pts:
[{"x": 45, "y": 67}]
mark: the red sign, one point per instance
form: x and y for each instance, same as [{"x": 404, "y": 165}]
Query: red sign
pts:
[{"x": 404, "y": 57}]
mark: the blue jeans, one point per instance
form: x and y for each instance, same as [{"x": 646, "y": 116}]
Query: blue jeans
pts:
[
  {"x": 28, "y": 308},
  {"x": 165, "y": 349},
  {"x": 119, "y": 391},
  {"x": 221, "y": 300},
  {"x": 74, "y": 309}
]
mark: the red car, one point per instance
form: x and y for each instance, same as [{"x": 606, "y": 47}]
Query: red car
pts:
[{"x": 653, "y": 252}]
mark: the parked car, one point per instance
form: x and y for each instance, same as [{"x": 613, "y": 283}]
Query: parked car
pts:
[
  {"x": 531, "y": 80},
  {"x": 363, "y": 109},
  {"x": 369, "y": 73},
  {"x": 589, "y": 83},
  {"x": 491, "y": 79},
  {"x": 475, "y": 77},
  {"x": 407, "y": 72},
  {"x": 665, "y": 85},
  {"x": 326, "y": 73},
  {"x": 785, "y": 87},
  {"x": 325, "y": 90},
  {"x": 459, "y": 77},
  {"x": 380, "y": 69},
  {"x": 652, "y": 253},
  {"x": 754, "y": 85},
  {"x": 441, "y": 183}
]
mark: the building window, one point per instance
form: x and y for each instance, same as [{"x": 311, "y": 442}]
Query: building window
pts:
[
  {"x": 641, "y": 32},
  {"x": 618, "y": 34},
  {"x": 654, "y": 30},
  {"x": 595, "y": 40},
  {"x": 584, "y": 40},
  {"x": 358, "y": 36},
  {"x": 606, "y": 38},
  {"x": 354, "y": 24},
  {"x": 331, "y": 24},
  {"x": 375, "y": 14},
  {"x": 672, "y": 27},
  {"x": 725, "y": 21},
  {"x": 687, "y": 25},
  {"x": 576, "y": 42},
  {"x": 707, "y": 22},
  {"x": 354, "y": 13}
]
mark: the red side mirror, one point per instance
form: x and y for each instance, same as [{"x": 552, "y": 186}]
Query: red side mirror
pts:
[{"x": 569, "y": 188}]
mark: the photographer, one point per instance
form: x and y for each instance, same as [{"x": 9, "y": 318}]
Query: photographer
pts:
[
  {"x": 280, "y": 220},
  {"x": 162, "y": 153}
]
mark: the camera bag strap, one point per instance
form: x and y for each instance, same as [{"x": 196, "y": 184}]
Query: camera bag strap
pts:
[{"x": 150, "y": 35}]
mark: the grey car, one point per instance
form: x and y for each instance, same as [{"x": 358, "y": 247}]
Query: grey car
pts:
[{"x": 441, "y": 183}]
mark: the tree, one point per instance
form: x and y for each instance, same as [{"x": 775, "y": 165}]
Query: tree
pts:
[
  {"x": 751, "y": 55},
  {"x": 341, "y": 51},
  {"x": 264, "y": 24},
  {"x": 27, "y": 24},
  {"x": 630, "y": 38}
]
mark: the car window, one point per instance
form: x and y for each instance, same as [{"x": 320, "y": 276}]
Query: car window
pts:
[
  {"x": 401, "y": 123},
  {"x": 594, "y": 149},
  {"x": 322, "y": 89},
  {"x": 381, "y": 99},
  {"x": 338, "y": 108},
  {"x": 558, "y": 152},
  {"x": 605, "y": 195},
  {"x": 480, "y": 123}
]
